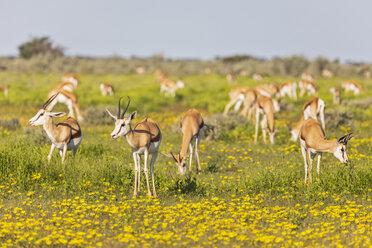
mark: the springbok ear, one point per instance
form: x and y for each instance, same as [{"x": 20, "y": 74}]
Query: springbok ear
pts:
[
  {"x": 169, "y": 155},
  {"x": 58, "y": 114},
  {"x": 133, "y": 115},
  {"x": 113, "y": 116}
]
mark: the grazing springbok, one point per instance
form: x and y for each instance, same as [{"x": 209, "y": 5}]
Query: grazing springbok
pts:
[
  {"x": 327, "y": 73},
  {"x": 168, "y": 87},
  {"x": 367, "y": 74},
  {"x": 307, "y": 86},
  {"x": 191, "y": 127},
  {"x": 5, "y": 90},
  {"x": 106, "y": 89},
  {"x": 231, "y": 79},
  {"x": 353, "y": 86},
  {"x": 265, "y": 107},
  {"x": 307, "y": 77},
  {"x": 269, "y": 89},
  {"x": 69, "y": 99},
  {"x": 65, "y": 136},
  {"x": 241, "y": 95},
  {"x": 140, "y": 70},
  {"x": 289, "y": 89},
  {"x": 257, "y": 77},
  {"x": 144, "y": 139},
  {"x": 311, "y": 109},
  {"x": 313, "y": 142},
  {"x": 336, "y": 95}
]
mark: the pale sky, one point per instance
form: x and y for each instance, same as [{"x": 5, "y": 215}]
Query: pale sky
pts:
[{"x": 193, "y": 28}]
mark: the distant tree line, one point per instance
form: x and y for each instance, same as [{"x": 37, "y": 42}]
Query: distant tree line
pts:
[{"x": 41, "y": 55}]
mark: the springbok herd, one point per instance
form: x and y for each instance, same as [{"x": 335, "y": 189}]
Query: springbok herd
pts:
[{"x": 145, "y": 137}]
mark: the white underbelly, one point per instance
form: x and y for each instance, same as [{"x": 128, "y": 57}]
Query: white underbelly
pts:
[{"x": 73, "y": 144}]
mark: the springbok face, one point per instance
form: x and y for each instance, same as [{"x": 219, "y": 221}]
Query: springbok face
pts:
[
  {"x": 340, "y": 152},
  {"x": 271, "y": 136},
  {"x": 122, "y": 125},
  {"x": 43, "y": 114}
]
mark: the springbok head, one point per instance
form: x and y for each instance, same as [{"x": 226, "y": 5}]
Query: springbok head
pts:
[
  {"x": 340, "y": 152},
  {"x": 42, "y": 115},
  {"x": 181, "y": 162},
  {"x": 122, "y": 125}
]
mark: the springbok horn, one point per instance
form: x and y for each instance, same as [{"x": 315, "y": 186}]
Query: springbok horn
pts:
[
  {"x": 125, "y": 110},
  {"x": 49, "y": 101},
  {"x": 119, "y": 109}
]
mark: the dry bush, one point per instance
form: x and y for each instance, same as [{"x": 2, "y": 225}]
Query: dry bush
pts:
[
  {"x": 358, "y": 103},
  {"x": 98, "y": 115},
  {"x": 11, "y": 124},
  {"x": 335, "y": 118}
]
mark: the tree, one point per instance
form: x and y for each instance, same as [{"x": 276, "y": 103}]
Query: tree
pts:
[{"x": 42, "y": 45}]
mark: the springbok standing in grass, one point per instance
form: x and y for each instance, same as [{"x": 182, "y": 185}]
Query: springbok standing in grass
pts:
[
  {"x": 289, "y": 89},
  {"x": 353, "y": 86},
  {"x": 5, "y": 90},
  {"x": 269, "y": 89},
  {"x": 307, "y": 77},
  {"x": 106, "y": 89},
  {"x": 336, "y": 95},
  {"x": 313, "y": 142},
  {"x": 311, "y": 109},
  {"x": 140, "y": 70},
  {"x": 69, "y": 99},
  {"x": 72, "y": 78},
  {"x": 231, "y": 79},
  {"x": 144, "y": 139},
  {"x": 265, "y": 107},
  {"x": 257, "y": 77},
  {"x": 191, "y": 126},
  {"x": 65, "y": 136},
  {"x": 367, "y": 74},
  {"x": 168, "y": 87},
  {"x": 327, "y": 73},
  {"x": 307, "y": 86},
  {"x": 241, "y": 95}
]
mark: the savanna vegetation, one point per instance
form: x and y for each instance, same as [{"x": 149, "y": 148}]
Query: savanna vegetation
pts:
[{"x": 246, "y": 195}]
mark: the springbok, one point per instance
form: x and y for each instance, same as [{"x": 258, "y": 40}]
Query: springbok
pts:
[
  {"x": 69, "y": 83},
  {"x": 367, "y": 74},
  {"x": 5, "y": 90},
  {"x": 269, "y": 89},
  {"x": 65, "y": 136},
  {"x": 353, "y": 86},
  {"x": 144, "y": 139},
  {"x": 265, "y": 107},
  {"x": 241, "y": 95},
  {"x": 243, "y": 73},
  {"x": 191, "y": 126},
  {"x": 160, "y": 75},
  {"x": 311, "y": 109},
  {"x": 327, "y": 73},
  {"x": 231, "y": 78},
  {"x": 140, "y": 70},
  {"x": 69, "y": 99},
  {"x": 307, "y": 77},
  {"x": 288, "y": 88},
  {"x": 336, "y": 95},
  {"x": 168, "y": 87},
  {"x": 257, "y": 77},
  {"x": 72, "y": 78},
  {"x": 307, "y": 86},
  {"x": 106, "y": 89},
  {"x": 313, "y": 142}
]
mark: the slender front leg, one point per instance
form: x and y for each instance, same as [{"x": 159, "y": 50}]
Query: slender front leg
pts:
[
  {"x": 197, "y": 144},
  {"x": 310, "y": 164},
  {"x": 135, "y": 174},
  {"x": 237, "y": 105},
  {"x": 303, "y": 151},
  {"x": 70, "y": 108},
  {"x": 228, "y": 106},
  {"x": 318, "y": 165},
  {"x": 152, "y": 162},
  {"x": 263, "y": 127},
  {"x": 256, "y": 127},
  {"x": 51, "y": 152},
  {"x": 146, "y": 172},
  {"x": 139, "y": 172},
  {"x": 191, "y": 153},
  {"x": 64, "y": 153}
]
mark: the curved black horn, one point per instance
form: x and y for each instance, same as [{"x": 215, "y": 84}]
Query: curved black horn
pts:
[
  {"x": 49, "y": 100},
  {"x": 125, "y": 110},
  {"x": 119, "y": 108}
]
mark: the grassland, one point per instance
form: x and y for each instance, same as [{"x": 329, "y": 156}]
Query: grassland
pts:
[{"x": 247, "y": 195}]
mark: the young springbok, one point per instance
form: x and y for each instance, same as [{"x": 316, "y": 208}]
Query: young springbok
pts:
[
  {"x": 5, "y": 90},
  {"x": 191, "y": 126},
  {"x": 307, "y": 86},
  {"x": 288, "y": 88},
  {"x": 169, "y": 87},
  {"x": 265, "y": 107},
  {"x": 311, "y": 109},
  {"x": 144, "y": 139},
  {"x": 313, "y": 142},
  {"x": 65, "y": 136},
  {"x": 69, "y": 99},
  {"x": 336, "y": 95},
  {"x": 106, "y": 89}
]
